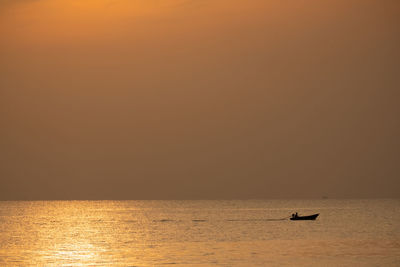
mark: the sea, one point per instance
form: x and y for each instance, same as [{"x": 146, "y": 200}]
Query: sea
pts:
[{"x": 362, "y": 232}]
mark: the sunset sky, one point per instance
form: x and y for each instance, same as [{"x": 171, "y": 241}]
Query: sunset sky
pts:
[{"x": 199, "y": 99}]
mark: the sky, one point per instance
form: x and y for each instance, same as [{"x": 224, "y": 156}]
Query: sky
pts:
[{"x": 199, "y": 99}]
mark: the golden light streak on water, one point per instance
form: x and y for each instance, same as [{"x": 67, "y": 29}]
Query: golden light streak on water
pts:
[{"x": 227, "y": 233}]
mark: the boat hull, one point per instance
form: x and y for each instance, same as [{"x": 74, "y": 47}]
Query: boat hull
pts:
[{"x": 303, "y": 218}]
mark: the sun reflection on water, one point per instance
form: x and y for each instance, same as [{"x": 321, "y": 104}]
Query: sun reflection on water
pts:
[
  {"x": 76, "y": 253},
  {"x": 71, "y": 233},
  {"x": 147, "y": 233}
]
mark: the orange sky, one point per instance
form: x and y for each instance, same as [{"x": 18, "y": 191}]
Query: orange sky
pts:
[{"x": 135, "y": 99}]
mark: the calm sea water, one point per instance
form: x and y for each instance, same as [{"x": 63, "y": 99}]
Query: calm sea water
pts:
[{"x": 201, "y": 233}]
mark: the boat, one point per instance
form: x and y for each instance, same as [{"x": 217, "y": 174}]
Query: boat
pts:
[{"x": 308, "y": 217}]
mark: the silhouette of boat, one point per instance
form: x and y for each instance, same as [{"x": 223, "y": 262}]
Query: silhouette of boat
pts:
[{"x": 308, "y": 217}]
